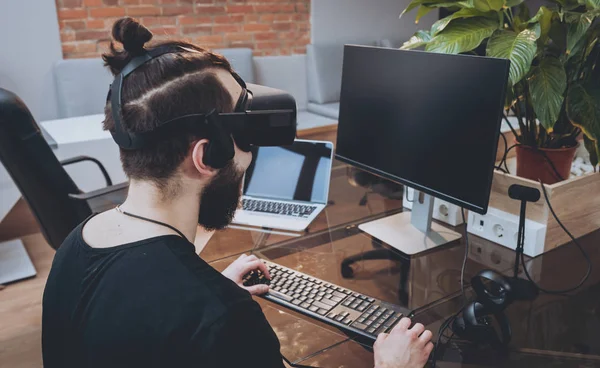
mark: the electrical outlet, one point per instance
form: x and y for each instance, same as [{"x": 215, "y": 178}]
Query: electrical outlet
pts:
[
  {"x": 442, "y": 211},
  {"x": 503, "y": 228}
]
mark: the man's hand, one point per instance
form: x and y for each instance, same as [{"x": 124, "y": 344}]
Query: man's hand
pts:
[
  {"x": 241, "y": 266},
  {"x": 403, "y": 347}
]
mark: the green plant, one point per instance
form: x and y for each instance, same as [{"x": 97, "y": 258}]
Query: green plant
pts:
[{"x": 554, "y": 75}]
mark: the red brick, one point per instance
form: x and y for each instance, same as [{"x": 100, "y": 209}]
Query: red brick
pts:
[
  {"x": 240, "y": 44},
  {"x": 300, "y": 17},
  {"x": 168, "y": 1},
  {"x": 107, "y": 12},
  {"x": 72, "y": 13},
  {"x": 289, "y": 35},
  {"x": 212, "y": 39},
  {"x": 197, "y": 29},
  {"x": 68, "y": 48},
  {"x": 131, "y": 2},
  {"x": 209, "y": 9},
  {"x": 267, "y": 45},
  {"x": 256, "y": 27},
  {"x": 73, "y": 24},
  {"x": 285, "y": 51},
  {"x": 236, "y": 37},
  {"x": 229, "y": 19},
  {"x": 95, "y": 24},
  {"x": 156, "y": 21},
  {"x": 182, "y": 1},
  {"x": 71, "y": 4},
  {"x": 195, "y": 20},
  {"x": 177, "y": 10},
  {"x": 85, "y": 47},
  {"x": 147, "y": 2},
  {"x": 250, "y": 18},
  {"x": 240, "y": 9},
  {"x": 205, "y": 1},
  {"x": 137, "y": 11},
  {"x": 283, "y": 17},
  {"x": 67, "y": 36},
  {"x": 299, "y": 50},
  {"x": 267, "y": 18},
  {"x": 102, "y": 46},
  {"x": 274, "y": 8},
  {"x": 265, "y": 36},
  {"x": 92, "y": 35},
  {"x": 226, "y": 28},
  {"x": 302, "y": 8},
  {"x": 157, "y": 31},
  {"x": 281, "y": 26},
  {"x": 111, "y": 2}
]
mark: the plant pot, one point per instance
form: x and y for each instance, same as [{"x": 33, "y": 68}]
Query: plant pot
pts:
[{"x": 531, "y": 163}]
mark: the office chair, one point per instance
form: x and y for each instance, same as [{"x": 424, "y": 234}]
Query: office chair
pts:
[
  {"x": 390, "y": 190},
  {"x": 55, "y": 200}
]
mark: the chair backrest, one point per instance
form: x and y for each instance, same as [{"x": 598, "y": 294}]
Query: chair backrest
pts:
[{"x": 37, "y": 173}]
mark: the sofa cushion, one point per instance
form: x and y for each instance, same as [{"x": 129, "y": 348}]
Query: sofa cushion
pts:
[
  {"x": 287, "y": 73},
  {"x": 330, "y": 110},
  {"x": 324, "y": 68},
  {"x": 241, "y": 61},
  {"x": 81, "y": 86}
]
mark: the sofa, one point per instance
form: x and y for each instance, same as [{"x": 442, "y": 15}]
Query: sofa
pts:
[{"x": 82, "y": 84}]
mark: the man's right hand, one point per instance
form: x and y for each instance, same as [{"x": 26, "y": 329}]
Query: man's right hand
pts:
[{"x": 403, "y": 347}]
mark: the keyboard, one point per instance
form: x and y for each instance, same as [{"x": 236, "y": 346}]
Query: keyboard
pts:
[
  {"x": 278, "y": 208},
  {"x": 352, "y": 312}
]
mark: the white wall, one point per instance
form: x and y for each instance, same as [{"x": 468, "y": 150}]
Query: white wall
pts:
[
  {"x": 341, "y": 21},
  {"x": 30, "y": 42}
]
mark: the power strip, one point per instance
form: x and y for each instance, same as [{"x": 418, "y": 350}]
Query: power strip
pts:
[
  {"x": 503, "y": 228},
  {"x": 442, "y": 211}
]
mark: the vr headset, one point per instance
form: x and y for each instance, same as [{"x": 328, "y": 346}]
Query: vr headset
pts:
[{"x": 263, "y": 116}]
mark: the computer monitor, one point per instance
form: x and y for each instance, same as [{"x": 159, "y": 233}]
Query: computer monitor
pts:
[{"x": 426, "y": 120}]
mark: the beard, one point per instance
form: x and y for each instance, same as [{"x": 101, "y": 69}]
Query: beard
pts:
[{"x": 221, "y": 198}]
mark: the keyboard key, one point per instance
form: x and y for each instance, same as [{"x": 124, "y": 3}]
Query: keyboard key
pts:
[
  {"x": 359, "y": 325},
  {"x": 347, "y": 303},
  {"x": 280, "y": 295},
  {"x": 305, "y": 305},
  {"x": 329, "y": 302},
  {"x": 322, "y": 305},
  {"x": 336, "y": 299},
  {"x": 371, "y": 330},
  {"x": 339, "y": 318},
  {"x": 331, "y": 315},
  {"x": 296, "y": 301},
  {"x": 339, "y": 295},
  {"x": 322, "y": 311},
  {"x": 347, "y": 321},
  {"x": 313, "y": 308}
]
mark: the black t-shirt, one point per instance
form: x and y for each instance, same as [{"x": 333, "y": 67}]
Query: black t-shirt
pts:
[{"x": 151, "y": 303}]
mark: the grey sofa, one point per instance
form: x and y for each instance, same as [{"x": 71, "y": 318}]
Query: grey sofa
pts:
[{"x": 82, "y": 84}]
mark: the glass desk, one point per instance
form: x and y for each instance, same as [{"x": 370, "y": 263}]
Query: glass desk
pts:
[{"x": 550, "y": 331}]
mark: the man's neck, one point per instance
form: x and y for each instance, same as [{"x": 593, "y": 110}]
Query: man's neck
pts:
[{"x": 181, "y": 212}]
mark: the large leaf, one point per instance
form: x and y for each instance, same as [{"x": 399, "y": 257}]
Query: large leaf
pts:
[
  {"x": 583, "y": 109},
  {"x": 547, "y": 86},
  {"x": 432, "y": 4},
  {"x": 423, "y": 11},
  {"x": 441, "y": 24},
  {"x": 593, "y": 148},
  {"x": 487, "y": 5},
  {"x": 519, "y": 48},
  {"x": 462, "y": 35},
  {"x": 420, "y": 38},
  {"x": 544, "y": 18},
  {"x": 591, "y": 4},
  {"x": 578, "y": 25},
  {"x": 513, "y": 3}
]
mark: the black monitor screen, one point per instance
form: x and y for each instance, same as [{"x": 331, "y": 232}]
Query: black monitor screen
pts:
[{"x": 427, "y": 120}]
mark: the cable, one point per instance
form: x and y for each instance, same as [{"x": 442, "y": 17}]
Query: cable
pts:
[
  {"x": 583, "y": 252},
  {"x": 406, "y": 195},
  {"x": 450, "y": 320},
  {"x": 505, "y": 150}
]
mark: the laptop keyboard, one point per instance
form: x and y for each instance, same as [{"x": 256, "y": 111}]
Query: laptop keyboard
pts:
[{"x": 278, "y": 208}]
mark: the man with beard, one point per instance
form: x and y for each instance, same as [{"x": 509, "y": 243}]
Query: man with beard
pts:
[{"x": 127, "y": 288}]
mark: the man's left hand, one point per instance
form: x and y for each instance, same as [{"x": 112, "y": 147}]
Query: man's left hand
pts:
[{"x": 241, "y": 266}]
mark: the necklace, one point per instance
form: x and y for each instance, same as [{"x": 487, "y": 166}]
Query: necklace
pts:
[{"x": 118, "y": 208}]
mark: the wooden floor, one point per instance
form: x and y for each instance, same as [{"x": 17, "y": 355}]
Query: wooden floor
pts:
[{"x": 21, "y": 302}]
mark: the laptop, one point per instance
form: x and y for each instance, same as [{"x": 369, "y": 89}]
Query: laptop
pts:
[{"x": 286, "y": 187}]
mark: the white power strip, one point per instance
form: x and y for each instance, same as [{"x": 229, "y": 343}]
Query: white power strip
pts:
[
  {"x": 442, "y": 211},
  {"x": 502, "y": 228}
]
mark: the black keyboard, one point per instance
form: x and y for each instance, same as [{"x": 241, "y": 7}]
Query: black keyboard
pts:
[
  {"x": 278, "y": 208},
  {"x": 353, "y": 312}
]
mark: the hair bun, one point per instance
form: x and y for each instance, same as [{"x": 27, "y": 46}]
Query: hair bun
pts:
[{"x": 131, "y": 34}]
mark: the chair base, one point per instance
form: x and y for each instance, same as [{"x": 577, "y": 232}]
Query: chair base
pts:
[{"x": 15, "y": 263}]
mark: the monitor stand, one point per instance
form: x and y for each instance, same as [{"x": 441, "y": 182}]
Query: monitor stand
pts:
[{"x": 411, "y": 232}]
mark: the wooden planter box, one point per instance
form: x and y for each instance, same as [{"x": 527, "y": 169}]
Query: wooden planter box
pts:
[{"x": 576, "y": 202}]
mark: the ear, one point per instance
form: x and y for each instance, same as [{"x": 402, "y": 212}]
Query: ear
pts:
[{"x": 198, "y": 159}]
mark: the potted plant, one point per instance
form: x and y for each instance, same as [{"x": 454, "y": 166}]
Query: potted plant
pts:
[{"x": 554, "y": 79}]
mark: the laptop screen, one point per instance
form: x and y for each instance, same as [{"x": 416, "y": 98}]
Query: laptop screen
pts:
[{"x": 299, "y": 172}]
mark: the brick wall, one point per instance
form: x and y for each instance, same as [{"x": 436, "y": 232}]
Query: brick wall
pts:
[{"x": 269, "y": 27}]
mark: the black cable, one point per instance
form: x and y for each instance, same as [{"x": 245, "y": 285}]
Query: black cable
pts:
[
  {"x": 464, "y": 263},
  {"x": 505, "y": 150},
  {"x": 583, "y": 252}
]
